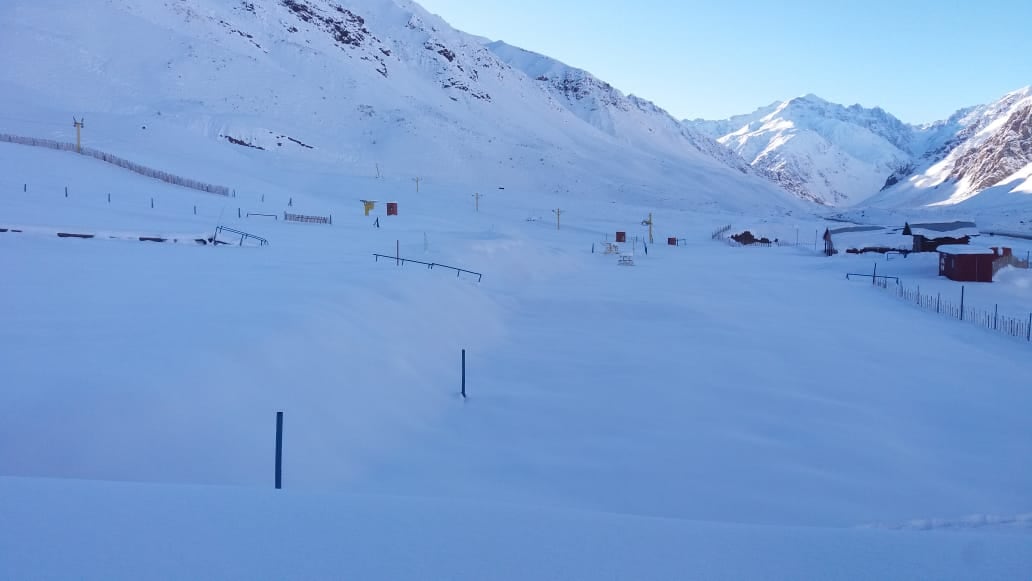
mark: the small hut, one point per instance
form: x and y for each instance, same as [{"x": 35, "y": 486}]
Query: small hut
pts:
[
  {"x": 965, "y": 263},
  {"x": 930, "y": 236}
]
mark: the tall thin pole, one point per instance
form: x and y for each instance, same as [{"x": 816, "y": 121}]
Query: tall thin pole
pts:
[
  {"x": 558, "y": 213},
  {"x": 279, "y": 450},
  {"x": 961, "y": 303},
  {"x": 79, "y": 124},
  {"x": 476, "y": 203},
  {"x": 463, "y": 374},
  {"x": 650, "y": 228}
]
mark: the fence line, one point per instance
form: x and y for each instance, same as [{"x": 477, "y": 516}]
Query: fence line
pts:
[
  {"x": 719, "y": 232},
  {"x": 1019, "y": 327},
  {"x": 118, "y": 161},
  {"x": 308, "y": 219}
]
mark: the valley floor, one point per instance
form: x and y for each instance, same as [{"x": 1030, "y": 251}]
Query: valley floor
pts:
[{"x": 709, "y": 412}]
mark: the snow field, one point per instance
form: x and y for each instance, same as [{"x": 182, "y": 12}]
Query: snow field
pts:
[{"x": 705, "y": 384}]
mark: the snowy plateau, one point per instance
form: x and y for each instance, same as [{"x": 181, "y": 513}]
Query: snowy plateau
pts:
[{"x": 683, "y": 409}]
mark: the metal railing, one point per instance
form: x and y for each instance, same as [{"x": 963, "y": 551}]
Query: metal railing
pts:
[
  {"x": 430, "y": 265},
  {"x": 243, "y": 236}
]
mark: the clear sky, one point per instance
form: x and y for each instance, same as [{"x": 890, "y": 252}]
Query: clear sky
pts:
[{"x": 920, "y": 60}]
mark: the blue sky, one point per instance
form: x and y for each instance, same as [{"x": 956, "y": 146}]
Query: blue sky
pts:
[{"x": 917, "y": 59}]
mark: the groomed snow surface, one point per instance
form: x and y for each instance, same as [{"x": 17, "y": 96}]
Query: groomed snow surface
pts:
[{"x": 707, "y": 413}]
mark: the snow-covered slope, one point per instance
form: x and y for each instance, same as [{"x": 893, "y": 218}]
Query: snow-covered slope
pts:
[
  {"x": 374, "y": 86},
  {"x": 840, "y": 155},
  {"x": 639, "y": 123},
  {"x": 980, "y": 156},
  {"x": 824, "y": 152}
]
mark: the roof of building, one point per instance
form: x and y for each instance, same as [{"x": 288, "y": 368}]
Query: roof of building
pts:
[
  {"x": 943, "y": 229},
  {"x": 964, "y": 249},
  {"x": 847, "y": 229}
]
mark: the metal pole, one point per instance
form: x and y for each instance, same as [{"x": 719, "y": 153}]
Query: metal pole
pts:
[
  {"x": 463, "y": 374},
  {"x": 279, "y": 450},
  {"x": 996, "y": 317},
  {"x": 875, "y": 273},
  {"x": 961, "y": 303}
]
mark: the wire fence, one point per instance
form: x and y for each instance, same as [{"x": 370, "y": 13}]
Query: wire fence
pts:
[
  {"x": 955, "y": 307},
  {"x": 1019, "y": 327},
  {"x": 720, "y": 232},
  {"x": 118, "y": 161}
]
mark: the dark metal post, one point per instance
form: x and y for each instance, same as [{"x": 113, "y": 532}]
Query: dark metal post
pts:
[
  {"x": 109, "y": 198},
  {"x": 66, "y": 191},
  {"x": 152, "y": 203},
  {"x": 961, "y": 303},
  {"x": 996, "y": 317},
  {"x": 463, "y": 374},
  {"x": 1029, "y": 330},
  {"x": 279, "y": 450},
  {"x": 195, "y": 210},
  {"x": 873, "y": 276},
  {"x": 938, "y": 297}
]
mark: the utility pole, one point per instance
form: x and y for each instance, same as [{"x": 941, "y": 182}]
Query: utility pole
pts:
[
  {"x": 417, "y": 184},
  {"x": 79, "y": 124},
  {"x": 476, "y": 203},
  {"x": 557, "y": 213},
  {"x": 649, "y": 224}
]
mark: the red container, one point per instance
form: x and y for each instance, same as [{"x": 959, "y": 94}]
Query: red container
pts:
[
  {"x": 621, "y": 237},
  {"x": 392, "y": 208},
  {"x": 671, "y": 241}
]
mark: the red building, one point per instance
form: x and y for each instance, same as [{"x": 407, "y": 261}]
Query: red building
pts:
[{"x": 965, "y": 263}]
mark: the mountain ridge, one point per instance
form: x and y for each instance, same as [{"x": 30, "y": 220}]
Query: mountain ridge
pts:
[{"x": 852, "y": 155}]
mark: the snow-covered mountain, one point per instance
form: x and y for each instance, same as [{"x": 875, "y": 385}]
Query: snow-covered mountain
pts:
[
  {"x": 981, "y": 155},
  {"x": 363, "y": 87},
  {"x": 822, "y": 151},
  {"x": 839, "y": 155}
]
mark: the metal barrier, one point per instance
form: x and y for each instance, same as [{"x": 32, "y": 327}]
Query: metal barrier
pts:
[
  {"x": 274, "y": 216},
  {"x": 243, "y": 236},
  {"x": 429, "y": 265}
]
